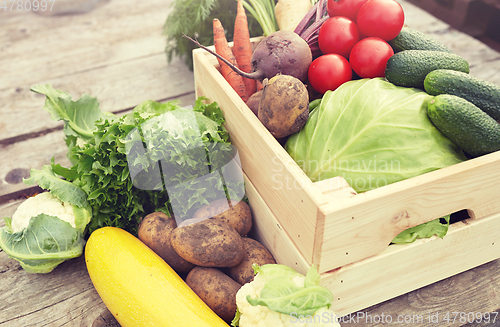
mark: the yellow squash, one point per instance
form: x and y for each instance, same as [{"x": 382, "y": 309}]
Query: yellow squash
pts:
[{"x": 138, "y": 287}]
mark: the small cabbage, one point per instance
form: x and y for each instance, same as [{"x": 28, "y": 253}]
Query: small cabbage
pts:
[
  {"x": 372, "y": 133},
  {"x": 47, "y": 229}
]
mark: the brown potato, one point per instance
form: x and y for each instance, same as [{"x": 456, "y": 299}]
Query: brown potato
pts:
[
  {"x": 155, "y": 231},
  {"x": 209, "y": 243},
  {"x": 254, "y": 253},
  {"x": 238, "y": 216},
  {"x": 284, "y": 105},
  {"x": 216, "y": 289}
]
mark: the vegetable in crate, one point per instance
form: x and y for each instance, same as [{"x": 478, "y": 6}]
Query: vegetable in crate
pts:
[
  {"x": 116, "y": 160},
  {"x": 412, "y": 39},
  {"x": 279, "y": 296},
  {"x": 372, "y": 133},
  {"x": 483, "y": 94},
  {"x": 223, "y": 49},
  {"x": 465, "y": 124},
  {"x": 410, "y": 67},
  {"x": 283, "y": 52},
  {"x": 47, "y": 229},
  {"x": 284, "y": 105},
  {"x": 289, "y": 13}
]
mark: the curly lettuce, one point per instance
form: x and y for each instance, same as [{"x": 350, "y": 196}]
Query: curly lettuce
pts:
[{"x": 159, "y": 157}]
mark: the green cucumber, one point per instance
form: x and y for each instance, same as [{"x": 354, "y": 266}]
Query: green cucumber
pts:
[
  {"x": 411, "y": 39},
  {"x": 483, "y": 94},
  {"x": 409, "y": 67},
  {"x": 470, "y": 128}
]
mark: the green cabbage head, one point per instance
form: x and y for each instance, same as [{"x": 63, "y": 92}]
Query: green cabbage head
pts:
[{"x": 372, "y": 133}]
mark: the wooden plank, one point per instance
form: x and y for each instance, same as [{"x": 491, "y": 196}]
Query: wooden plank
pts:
[
  {"x": 267, "y": 230},
  {"x": 473, "y": 291},
  {"x": 64, "y": 297},
  {"x": 110, "y": 34},
  {"x": 117, "y": 87},
  {"x": 468, "y": 244},
  {"x": 32, "y": 153}
]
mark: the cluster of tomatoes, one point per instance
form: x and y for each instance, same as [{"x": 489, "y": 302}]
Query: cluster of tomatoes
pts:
[{"x": 354, "y": 39}]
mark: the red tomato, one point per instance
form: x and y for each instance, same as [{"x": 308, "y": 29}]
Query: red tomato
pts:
[
  {"x": 369, "y": 57},
  {"x": 381, "y": 18},
  {"x": 329, "y": 71},
  {"x": 338, "y": 35},
  {"x": 346, "y": 8}
]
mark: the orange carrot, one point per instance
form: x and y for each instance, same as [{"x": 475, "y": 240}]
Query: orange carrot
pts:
[
  {"x": 242, "y": 49},
  {"x": 222, "y": 48}
]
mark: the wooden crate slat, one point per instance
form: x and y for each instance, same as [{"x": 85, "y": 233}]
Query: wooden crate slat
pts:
[
  {"x": 406, "y": 267},
  {"x": 366, "y": 223}
]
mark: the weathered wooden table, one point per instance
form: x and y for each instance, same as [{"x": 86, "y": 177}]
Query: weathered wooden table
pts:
[{"x": 115, "y": 52}]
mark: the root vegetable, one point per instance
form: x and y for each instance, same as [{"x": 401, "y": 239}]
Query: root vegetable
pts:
[
  {"x": 284, "y": 106},
  {"x": 255, "y": 253},
  {"x": 155, "y": 230},
  {"x": 242, "y": 47},
  {"x": 289, "y": 13},
  {"x": 222, "y": 48},
  {"x": 238, "y": 215},
  {"x": 283, "y": 52},
  {"x": 216, "y": 289},
  {"x": 209, "y": 243}
]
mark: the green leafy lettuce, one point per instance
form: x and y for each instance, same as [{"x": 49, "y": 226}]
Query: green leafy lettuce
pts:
[
  {"x": 372, "y": 133},
  {"x": 159, "y": 157},
  {"x": 285, "y": 292},
  {"x": 425, "y": 230}
]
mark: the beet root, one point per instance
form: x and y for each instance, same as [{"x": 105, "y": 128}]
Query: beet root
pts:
[{"x": 283, "y": 52}]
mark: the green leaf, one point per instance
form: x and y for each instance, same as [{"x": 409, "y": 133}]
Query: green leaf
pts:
[
  {"x": 64, "y": 190},
  {"x": 270, "y": 271},
  {"x": 236, "y": 320},
  {"x": 425, "y": 230},
  {"x": 284, "y": 296},
  {"x": 44, "y": 244},
  {"x": 282, "y": 293},
  {"x": 372, "y": 133},
  {"x": 312, "y": 277},
  {"x": 79, "y": 116}
]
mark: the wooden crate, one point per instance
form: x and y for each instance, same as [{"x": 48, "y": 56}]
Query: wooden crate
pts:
[{"x": 347, "y": 235}]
